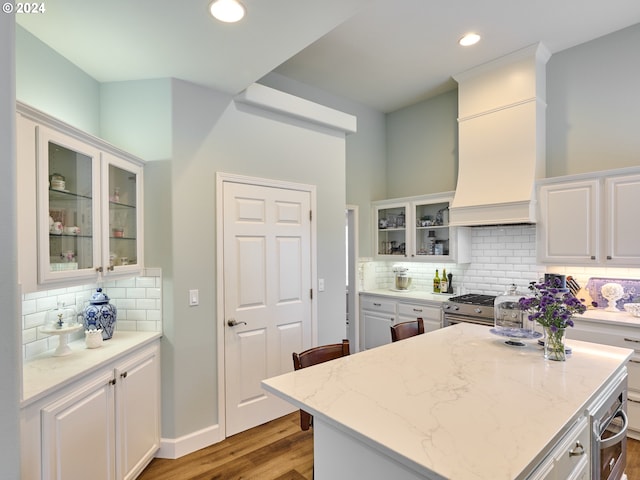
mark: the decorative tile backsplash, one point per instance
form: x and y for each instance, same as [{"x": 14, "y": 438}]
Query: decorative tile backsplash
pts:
[
  {"x": 500, "y": 256},
  {"x": 138, "y": 300}
]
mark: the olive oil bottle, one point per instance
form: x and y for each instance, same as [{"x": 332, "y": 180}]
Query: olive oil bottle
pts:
[{"x": 436, "y": 283}]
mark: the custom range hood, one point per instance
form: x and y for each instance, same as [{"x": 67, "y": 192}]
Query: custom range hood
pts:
[{"x": 501, "y": 139}]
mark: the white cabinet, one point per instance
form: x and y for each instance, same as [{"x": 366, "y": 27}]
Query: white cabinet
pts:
[
  {"x": 569, "y": 458},
  {"x": 80, "y": 205},
  {"x": 377, "y": 317},
  {"x": 625, "y": 336},
  {"x": 379, "y": 313},
  {"x": 587, "y": 220},
  {"x": 105, "y": 426},
  {"x": 429, "y": 314},
  {"x": 418, "y": 228}
]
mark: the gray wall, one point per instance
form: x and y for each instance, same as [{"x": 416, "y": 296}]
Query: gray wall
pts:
[
  {"x": 10, "y": 367},
  {"x": 593, "y": 100},
  {"x": 366, "y": 151},
  {"x": 422, "y": 147}
]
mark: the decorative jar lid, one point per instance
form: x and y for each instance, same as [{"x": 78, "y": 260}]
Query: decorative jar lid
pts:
[{"x": 99, "y": 297}]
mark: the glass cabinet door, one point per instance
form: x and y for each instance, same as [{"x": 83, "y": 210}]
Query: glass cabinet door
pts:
[
  {"x": 432, "y": 229},
  {"x": 391, "y": 229},
  {"x": 122, "y": 180},
  {"x": 68, "y": 202}
]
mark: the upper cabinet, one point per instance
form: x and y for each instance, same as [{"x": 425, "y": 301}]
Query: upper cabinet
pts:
[
  {"x": 418, "y": 228},
  {"x": 80, "y": 205},
  {"x": 588, "y": 220}
]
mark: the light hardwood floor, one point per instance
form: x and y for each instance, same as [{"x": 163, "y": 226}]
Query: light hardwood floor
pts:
[{"x": 277, "y": 450}]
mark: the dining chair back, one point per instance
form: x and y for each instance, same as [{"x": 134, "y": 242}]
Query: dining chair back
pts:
[
  {"x": 313, "y": 356},
  {"x": 403, "y": 330}
]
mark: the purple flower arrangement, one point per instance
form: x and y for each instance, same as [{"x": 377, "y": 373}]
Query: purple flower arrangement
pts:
[{"x": 551, "y": 306}]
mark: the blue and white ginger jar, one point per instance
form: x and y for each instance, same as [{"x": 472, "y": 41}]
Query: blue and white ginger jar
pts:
[{"x": 100, "y": 314}]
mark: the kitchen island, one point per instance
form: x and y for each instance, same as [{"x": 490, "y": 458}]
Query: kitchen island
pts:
[{"x": 456, "y": 403}]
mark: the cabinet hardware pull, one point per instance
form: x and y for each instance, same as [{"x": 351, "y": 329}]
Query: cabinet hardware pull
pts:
[
  {"x": 112, "y": 381},
  {"x": 574, "y": 453},
  {"x": 608, "y": 257},
  {"x": 632, "y": 400},
  {"x": 99, "y": 269},
  {"x": 419, "y": 310},
  {"x": 123, "y": 375},
  {"x": 377, "y": 304},
  {"x": 634, "y": 361},
  {"x": 631, "y": 340},
  {"x": 593, "y": 257},
  {"x": 110, "y": 268}
]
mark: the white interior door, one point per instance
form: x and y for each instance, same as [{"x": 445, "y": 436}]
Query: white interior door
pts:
[{"x": 267, "y": 290}]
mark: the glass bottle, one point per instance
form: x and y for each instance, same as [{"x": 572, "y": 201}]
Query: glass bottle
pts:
[
  {"x": 444, "y": 284},
  {"x": 436, "y": 283}
]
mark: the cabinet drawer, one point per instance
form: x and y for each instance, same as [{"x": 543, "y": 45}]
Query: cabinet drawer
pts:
[
  {"x": 633, "y": 411},
  {"x": 416, "y": 310},
  {"x": 378, "y": 305},
  {"x": 573, "y": 452},
  {"x": 633, "y": 370}
]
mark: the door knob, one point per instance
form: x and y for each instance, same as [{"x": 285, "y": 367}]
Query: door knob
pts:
[{"x": 232, "y": 322}]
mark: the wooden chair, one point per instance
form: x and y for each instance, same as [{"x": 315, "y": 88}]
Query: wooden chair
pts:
[
  {"x": 404, "y": 330},
  {"x": 313, "y": 356}
]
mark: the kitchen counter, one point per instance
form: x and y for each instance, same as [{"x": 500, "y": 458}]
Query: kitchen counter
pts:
[
  {"x": 413, "y": 294},
  {"x": 617, "y": 318},
  {"x": 456, "y": 403},
  {"x": 45, "y": 373}
]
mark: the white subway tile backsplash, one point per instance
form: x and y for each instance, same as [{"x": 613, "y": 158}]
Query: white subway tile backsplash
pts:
[{"x": 138, "y": 301}]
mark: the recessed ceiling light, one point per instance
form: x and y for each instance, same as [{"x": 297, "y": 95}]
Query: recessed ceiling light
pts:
[
  {"x": 469, "y": 39},
  {"x": 228, "y": 11}
]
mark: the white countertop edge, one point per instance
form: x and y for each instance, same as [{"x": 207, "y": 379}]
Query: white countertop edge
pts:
[
  {"x": 39, "y": 374},
  {"x": 410, "y": 295},
  {"x": 385, "y": 450}
]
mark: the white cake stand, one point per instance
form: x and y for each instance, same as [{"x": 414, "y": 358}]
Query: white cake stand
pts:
[{"x": 63, "y": 334}]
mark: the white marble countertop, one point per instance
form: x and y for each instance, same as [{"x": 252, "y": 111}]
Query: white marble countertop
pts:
[
  {"x": 618, "y": 318},
  {"x": 413, "y": 294},
  {"x": 46, "y": 373},
  {"x": 457, "y": 402}
]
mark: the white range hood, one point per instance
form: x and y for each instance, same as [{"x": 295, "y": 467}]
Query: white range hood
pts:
[{"x": 501, "y": 139}]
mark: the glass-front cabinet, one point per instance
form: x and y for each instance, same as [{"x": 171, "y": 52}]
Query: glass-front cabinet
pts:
[
  {"x": 418, "y": 228},
  {"x": 88, "y": 219}
]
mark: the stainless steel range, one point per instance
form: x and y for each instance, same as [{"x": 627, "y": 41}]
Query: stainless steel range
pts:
[{"x": 469, "y": 308}]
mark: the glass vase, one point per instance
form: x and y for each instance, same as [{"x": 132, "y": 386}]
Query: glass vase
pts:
[{"x": 554, "y": 344}]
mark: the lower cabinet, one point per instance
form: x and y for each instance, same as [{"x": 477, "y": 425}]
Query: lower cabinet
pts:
[
  {"x": 378, "y": 314},
  {"x": 626, "y": 336},
  {"x": 569, "y": 458},
  {"x": 103, "y": 427}
]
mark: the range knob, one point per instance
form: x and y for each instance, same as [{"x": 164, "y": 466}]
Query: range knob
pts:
[{"x": 478, "y": 310}]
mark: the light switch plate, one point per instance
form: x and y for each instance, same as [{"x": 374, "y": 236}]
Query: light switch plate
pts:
[
  {"x": 321, "y": 284},
  {"x": 194, "y": 298}
]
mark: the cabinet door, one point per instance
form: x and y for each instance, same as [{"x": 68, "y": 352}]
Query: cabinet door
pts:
[
  {"x": 68, "y": 217},
  {"x": 569, "y": 229},
  {"x": 390, "y": 227},
  {"x": 377, "y": 328},
  {"x": 122, "y": 216},
  {"x": 78, "y": 434},
  {"x": 430, "y": 315},
  {"x": 137, "y": 413},
  {"x": 623, "y": 200},
  {"x": 431, "y": 231}
]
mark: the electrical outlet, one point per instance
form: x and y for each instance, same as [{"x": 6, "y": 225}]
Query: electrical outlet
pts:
[{"x": 194, "y": 298}]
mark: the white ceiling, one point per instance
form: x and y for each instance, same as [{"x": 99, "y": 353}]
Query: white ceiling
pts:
[{"x": 383, "y": 53}]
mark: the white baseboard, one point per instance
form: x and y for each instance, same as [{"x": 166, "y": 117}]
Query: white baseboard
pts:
[{"x": 173, "y": 448}]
